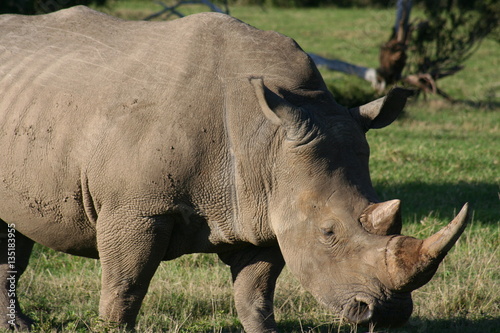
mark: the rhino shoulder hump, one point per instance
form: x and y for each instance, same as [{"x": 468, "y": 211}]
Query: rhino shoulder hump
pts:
[{"x": 77, "y": 12}]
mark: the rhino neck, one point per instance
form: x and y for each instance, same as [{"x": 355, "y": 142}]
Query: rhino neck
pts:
[{"x": 251, "y": 150}]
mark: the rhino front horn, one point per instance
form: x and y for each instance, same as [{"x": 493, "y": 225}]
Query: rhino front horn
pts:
[{"x": 411, "y": 262}]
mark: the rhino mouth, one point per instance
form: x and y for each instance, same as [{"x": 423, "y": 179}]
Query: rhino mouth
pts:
[{"x": 393, "y": 311}]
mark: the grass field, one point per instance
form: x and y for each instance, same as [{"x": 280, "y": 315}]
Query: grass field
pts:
[{"x": 435, "y": 158}]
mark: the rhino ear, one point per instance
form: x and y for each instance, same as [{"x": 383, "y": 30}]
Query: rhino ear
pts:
[
  {"x": 383, "y": 111},
  {"x": 276, "y": 109},
  {"x": 258, "y": 85},
  {"x": 382, "y": 218}
]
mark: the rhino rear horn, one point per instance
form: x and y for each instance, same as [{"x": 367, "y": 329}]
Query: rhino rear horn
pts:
[
  {"x": 382, "y": 218},
  {"x": 383, "y": 111},
  {"x": 411, "y": 262}
]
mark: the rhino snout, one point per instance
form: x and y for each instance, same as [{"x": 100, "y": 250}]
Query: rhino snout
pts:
[{"x": 392, "y": 312}]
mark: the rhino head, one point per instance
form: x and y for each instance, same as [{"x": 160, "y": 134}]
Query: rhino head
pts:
[{"x": 335, "y": 236}]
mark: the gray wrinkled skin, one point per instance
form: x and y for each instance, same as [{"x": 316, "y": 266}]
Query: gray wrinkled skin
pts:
[{"x": 137, "y": 142}]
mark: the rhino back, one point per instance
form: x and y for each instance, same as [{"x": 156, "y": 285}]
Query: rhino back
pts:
[{"x": 97, "y": 110}]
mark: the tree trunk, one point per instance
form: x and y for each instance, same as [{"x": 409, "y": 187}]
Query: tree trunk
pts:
[{"x": 392, "y": 56}]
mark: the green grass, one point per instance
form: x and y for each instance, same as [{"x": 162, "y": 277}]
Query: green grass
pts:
[
  {"x": 435, "y": 158},
  {"x": 438, "y": 157}
]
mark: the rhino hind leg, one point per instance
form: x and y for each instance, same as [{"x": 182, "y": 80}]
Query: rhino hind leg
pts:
[
  {"x": 255, "y": 271},
  {"x": 15, "y": 251},
  {"x": 130, "y": 251}
]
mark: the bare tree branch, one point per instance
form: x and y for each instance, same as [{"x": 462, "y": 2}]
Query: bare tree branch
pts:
[
  {"x": 366, "y": 73},
  {"x": 172, "y": 10}
]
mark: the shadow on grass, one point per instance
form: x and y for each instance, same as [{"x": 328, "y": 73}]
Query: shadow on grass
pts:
[
  {"x": 483, "y": 105},
  {"x": 351, "y": 94},
  {"x": 420, "y": 200},
  {"x": 455, "y": 325},
  {"x": 416, "y": 325},
  {"x": 490, "y": 102}
]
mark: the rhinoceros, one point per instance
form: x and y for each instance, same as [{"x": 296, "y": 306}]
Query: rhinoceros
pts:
[{"x": 139, "y": 142}]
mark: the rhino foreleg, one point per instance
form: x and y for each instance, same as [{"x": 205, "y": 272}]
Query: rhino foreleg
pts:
[
  {"x": 15, "y": 250},
  {"x": 130, "y": 251},
  {"x": 254, "y": 272}
]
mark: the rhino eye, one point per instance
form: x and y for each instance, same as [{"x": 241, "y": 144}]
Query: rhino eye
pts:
[
  {"x": 328, "y": 236},
  {"x": 327, "y": 231}
]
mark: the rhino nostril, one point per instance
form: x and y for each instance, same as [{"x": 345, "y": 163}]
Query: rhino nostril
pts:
[
  {"x": 359, "y": 312},
  {"x": 364, "y": 313}
]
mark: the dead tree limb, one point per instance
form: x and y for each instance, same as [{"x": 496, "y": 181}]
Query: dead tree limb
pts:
[
  {"x": 172, "y": 10},
  {"x": 366, "y": 73},
  {"x": 392, "y": 55}
]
